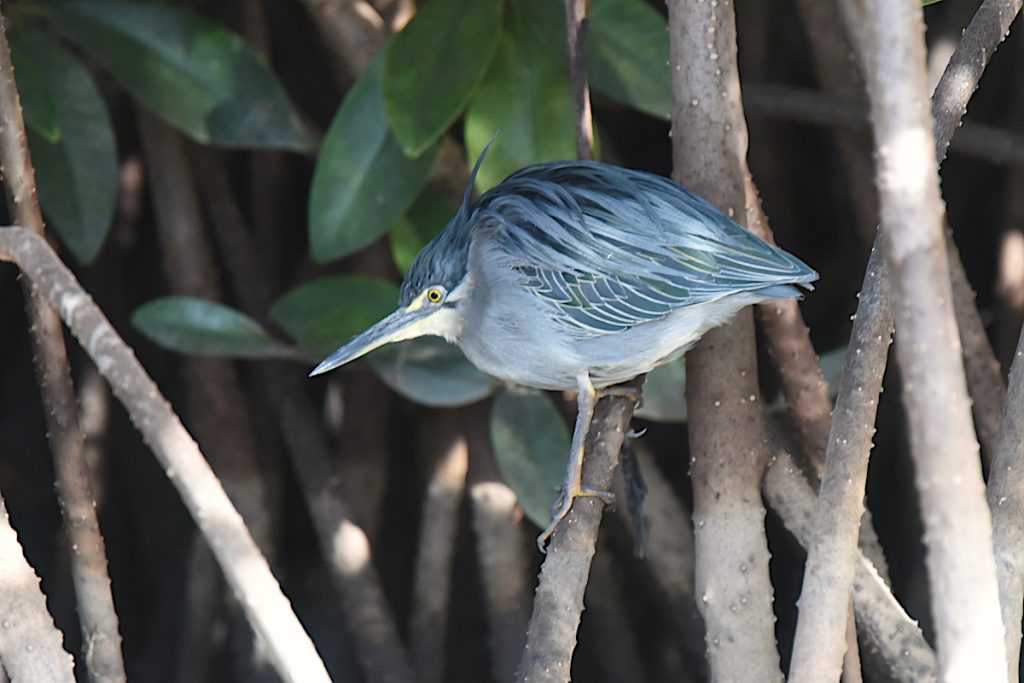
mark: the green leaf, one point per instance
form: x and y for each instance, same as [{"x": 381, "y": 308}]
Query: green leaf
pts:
[
  {"x": 434, "y": 65},
  {"x": 431, "y": 372},
  {"x": 526, "y": 95},
  {"x": 627, "y": 55},
  {"x": 665, "y": 394},
  {"x": 76, "y": 171},
  {"x": 193, "y": 73},
  {"x": 324, "y": 313},
  {"x": 34, "y": 84},
  {"x": 363, "y": 181},
  {"x": 531, "y": 445},
  {"x": 425, "y": 218},
  {"x": 205, "y": 328}
]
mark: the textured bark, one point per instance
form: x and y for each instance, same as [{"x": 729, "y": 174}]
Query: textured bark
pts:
[
  {"x": 727, "y": 436},
  {"x": 958, "y": 531},
  {"x": 821, "y": 637}
]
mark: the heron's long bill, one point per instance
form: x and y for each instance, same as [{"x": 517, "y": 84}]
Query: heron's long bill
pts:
[{"x": 405, "y": 323}]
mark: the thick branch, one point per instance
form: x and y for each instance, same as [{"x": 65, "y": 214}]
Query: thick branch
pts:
[
  {"x": 727, "y": 437},
  {"x": 1006, "y": 500},
  {"x": 958, "y": 531},
  {"x": 245, "y": 568},
  {"x": 32, "y": 647},
  {"x": 551, "y": 635},
  {"x": 820, "y": 639}
]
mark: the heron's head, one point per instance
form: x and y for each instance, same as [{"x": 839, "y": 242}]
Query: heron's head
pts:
[{"x": 430, "y": 295}]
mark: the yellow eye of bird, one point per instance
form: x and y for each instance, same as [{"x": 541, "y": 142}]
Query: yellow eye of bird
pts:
[{"x": 434, "y": 295}]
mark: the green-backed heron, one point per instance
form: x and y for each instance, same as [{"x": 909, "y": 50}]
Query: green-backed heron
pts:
[{"x": 580, "y": 275}]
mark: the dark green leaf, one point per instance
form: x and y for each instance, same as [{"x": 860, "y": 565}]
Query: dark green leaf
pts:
[
  {"x": 531, "y": 445},
  {"x": 434, "y": 65},
  {"x": 665, "y": 394},
  {"x": 195, "y": 74},
  {"x": 431, "y": 372},
  {"x": 205, "y": 328},
  {"x": 34, "y": 84},
  {"x": 76, "y": 171},
  {"x": 627, "y": 55},
  {"x": 363, "y": 181},
  {"x": 526, "y": 95},
  {"x": 425, "y": 218},
  {"x": 324, "y": 313}
]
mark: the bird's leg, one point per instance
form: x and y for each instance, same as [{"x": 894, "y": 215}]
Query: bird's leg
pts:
[{"x": 572, "y": 487}]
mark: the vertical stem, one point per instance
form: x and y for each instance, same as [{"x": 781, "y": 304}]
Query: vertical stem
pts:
[
  {"x": 727, "y": 432},
  {"x": 576, "y": 36},
  {"x": 958, "y": 527},
  {"x": 95, "y": 602}
]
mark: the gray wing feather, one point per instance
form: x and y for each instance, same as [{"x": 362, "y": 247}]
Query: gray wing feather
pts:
[{"x": 612, "y": 248}]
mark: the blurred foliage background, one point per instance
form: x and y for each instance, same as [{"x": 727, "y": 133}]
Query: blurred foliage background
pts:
[{"x": 241, "y": 190}]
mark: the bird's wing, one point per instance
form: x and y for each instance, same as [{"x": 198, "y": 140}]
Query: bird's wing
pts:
[{"x": 612, "y": 248}]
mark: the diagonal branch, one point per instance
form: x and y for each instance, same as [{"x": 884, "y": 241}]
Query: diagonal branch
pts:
[
  {"x": 246, "y": 570},
  {"x": 820, "y": 639}
]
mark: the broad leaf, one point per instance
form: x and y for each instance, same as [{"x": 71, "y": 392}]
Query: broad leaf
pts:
[
  {"x": 193, "y": 73},
  {"x": 664, "y": 394},
  {"x": 363, "y": 181},
  {"x": 205, "y": 328},
  {"x": 627, "y": 55},
  {"x": 322, "y": 314},
  {"x": 431, "y": 372},
  {"x": 526, "y": 95},
  {"x": 34, "y": 83},
  {"x": 434, "y": 65},
  {"x": 531, "y": 445},
  {"x": 425, "y": 218},
  {"x": 76, "y": 170}
]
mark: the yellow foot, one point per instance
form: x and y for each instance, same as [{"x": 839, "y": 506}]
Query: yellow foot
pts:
[{"x": 564, "y": 503}]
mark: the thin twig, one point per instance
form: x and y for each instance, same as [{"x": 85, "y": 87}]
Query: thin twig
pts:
[
  {"x": 576, "y": 38},
  {"x": 95, "y": 603},
  {"x": 439, "y": 523},
  {"x": 32, "y": 647},
  {"x": 551, "y": 635},
  {"x": 883, "y": 623},
  {"x": 958, "y": 531},
  {"x": 245, "y": 568},
  {"x": 727, "y": 437},
  {"x": 820, "y": 640},
  {"x": 1005, "y": 499}
]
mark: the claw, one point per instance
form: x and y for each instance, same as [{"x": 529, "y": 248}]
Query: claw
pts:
[{"x": 572, "y": 487}]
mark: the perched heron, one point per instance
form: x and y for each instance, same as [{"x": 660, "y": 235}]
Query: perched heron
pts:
[{"x": 580, "y": 275}]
